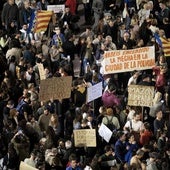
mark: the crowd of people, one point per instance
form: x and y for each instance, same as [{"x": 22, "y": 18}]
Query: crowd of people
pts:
[{"x": 40, "y": 133}]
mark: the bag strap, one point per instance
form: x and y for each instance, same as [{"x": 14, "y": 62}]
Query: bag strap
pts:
[
  {"x": 109, "y": 120},
  {"x": 130, "y": 121}
]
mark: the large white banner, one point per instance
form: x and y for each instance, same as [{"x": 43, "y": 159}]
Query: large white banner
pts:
[
  {"x": 56, "y": 8},
  {"x": 94, "y": 92},
  {"x": 118, "y": 61}
]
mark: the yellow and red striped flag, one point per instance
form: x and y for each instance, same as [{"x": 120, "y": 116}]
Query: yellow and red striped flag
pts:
[
  {"x": 166, "y": 46},
  {"x": 42, "y": 20}
]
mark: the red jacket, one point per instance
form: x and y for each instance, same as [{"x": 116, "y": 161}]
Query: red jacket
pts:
[
  {"x": 145, "y": 137},
  {"x": 72, "y": 5}
]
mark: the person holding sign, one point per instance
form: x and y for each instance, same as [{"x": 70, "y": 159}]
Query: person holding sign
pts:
[{"x": 133, "y": 78}]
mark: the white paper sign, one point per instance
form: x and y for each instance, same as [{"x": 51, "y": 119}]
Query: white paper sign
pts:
[
  {"x": 105, "y": 132},
  {"x": 56, "y": 8},
  {"x": 94, "y": 92}
]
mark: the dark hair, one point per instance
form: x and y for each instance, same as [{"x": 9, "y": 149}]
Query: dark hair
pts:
[
  {"x": 72, "y": 157},
  {"x": 120, "y": 134},
  {"x": 13, "y": 59},
  {"x": 111, "y": 87},
  {"x": 107, "y": 148}
]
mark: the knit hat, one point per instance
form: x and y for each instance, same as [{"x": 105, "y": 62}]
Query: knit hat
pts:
[{"x": 107, "y": 14}]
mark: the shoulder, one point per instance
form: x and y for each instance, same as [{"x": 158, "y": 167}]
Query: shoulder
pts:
[{"x": 69, "y": 168}]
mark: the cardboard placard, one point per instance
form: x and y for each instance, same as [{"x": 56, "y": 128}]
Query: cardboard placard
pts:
[
  {"x": 140, "y": 95},
  {"x": 85, "y": 137},
  {"x": 55, "y": 88}
]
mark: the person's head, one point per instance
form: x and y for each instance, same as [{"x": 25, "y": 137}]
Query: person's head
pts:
[
  {"x": 109, "y": 111},
  {"x": 73, "y": 161},
  {"x": 145, "y": 6},
  {"x": 33, "y": 155},
  {"x": 68, "y": 144},
  {"x": 111, "y": 23},
  {"x": 159, "y": 114},
  {"x": 150, "y": 5},
  {"x": 25, "y": 91},
  {"x": 67, "y": 9},
  {"x": 135, "y": 74},
  {"x": 146, "y": 78},
  {"x": 30, "y": 69},
  {"x": 26, "y": 4},
  {"x": 121, "y": 136},
  {"x": 165, "y": 20},
  {"x": 108, "y": 39},
  {"x": 139, "y": 153},
  {"x": 137, "y": 116},
  {"x": 84, "y": 123},
  {"x": 57, "y": 30},
  {"x": 88, "y": 29},
  {"x": 162, "y": 58},
  {"x": 11, "y": 2},
  {"x": 153, "y": 155},
  {"x": 10, "y": 104},
  {"x": 54, "y": 119},
  {"x": 118, "y": 19},
  {"x": 126, "y": 36},
  {"x": 27, "y": 96},
  {"x": 108, "y": 149},
  {"x": 112, "y": 88},
  {"x": 102, "y": 110},
  {"x": 89, "y": 117},
  {"x": 131, "y": 137},
  {"x": 147, "y": 126},
  {"x": 46, "y": 110},
  {"x": 107, "y": 16},
  {"x": 162, "y": 5}
]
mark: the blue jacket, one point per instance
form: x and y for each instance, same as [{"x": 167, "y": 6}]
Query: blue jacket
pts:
[
  {"x": 120, "y": 150},
  {"x": 55, "y": 40}
]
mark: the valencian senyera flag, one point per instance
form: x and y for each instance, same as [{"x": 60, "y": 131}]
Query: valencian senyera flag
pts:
[
  {"x": 166, "y": 46},
  {"x": 42, "y": 20}
]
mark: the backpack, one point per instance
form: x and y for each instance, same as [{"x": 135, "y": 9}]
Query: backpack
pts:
[
  {"x": 20, "y": 105},
  {"x": 110, "y": 124}
]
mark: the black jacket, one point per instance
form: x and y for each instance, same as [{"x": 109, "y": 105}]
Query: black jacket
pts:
[{"x": 10, "y": 13}]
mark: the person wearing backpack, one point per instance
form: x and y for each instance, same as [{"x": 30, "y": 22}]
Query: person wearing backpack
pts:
[{"x": 110, "y": 120}]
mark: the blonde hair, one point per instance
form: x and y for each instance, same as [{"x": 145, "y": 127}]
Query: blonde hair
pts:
[
  {"x": 55, "y": 121},
  {"x": 13, "y": 112},
  {"x": 157, "y": 98}
]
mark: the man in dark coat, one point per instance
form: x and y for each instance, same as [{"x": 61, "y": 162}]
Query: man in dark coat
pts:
[{"x": 10, "y": 13}]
